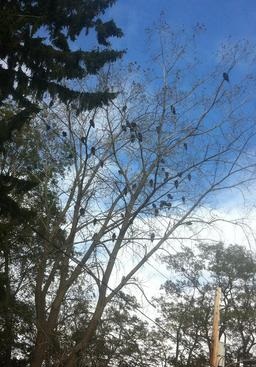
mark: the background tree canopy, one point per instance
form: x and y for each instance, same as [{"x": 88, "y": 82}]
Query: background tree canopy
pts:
[{"x": 187, "y": 306}]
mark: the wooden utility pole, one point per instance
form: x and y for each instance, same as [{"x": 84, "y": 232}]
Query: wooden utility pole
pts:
[{"x": 215, "y": 330}]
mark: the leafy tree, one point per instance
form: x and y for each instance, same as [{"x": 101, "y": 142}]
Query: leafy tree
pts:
[
  {"x": 188, "y": 305},
  {"x": 120, "y": 337},
  {"x": 16, "y": 301},
  {"x": 19, "y": 247}
]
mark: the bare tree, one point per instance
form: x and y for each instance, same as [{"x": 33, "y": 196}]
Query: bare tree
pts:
[{"x": 140, "y": 170}]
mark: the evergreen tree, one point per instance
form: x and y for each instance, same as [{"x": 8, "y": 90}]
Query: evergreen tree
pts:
[
  {"x": 38, "y": 63},
  {"x": 20, "y": 247},
  {"x": 36, "y": 57}
]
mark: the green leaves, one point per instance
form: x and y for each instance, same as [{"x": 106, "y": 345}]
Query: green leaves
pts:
[{"x": 187, "y": 307}]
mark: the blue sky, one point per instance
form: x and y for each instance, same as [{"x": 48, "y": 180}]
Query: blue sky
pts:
[{"x": 235, "y": 18}]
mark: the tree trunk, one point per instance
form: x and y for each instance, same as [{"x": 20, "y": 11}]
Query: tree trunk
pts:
[
  {"x": 91, "y": 329},
  {"x": 8, "y": 315},
  {"x": 39, "y": 350},
  {"x": 8, "y": 333}
]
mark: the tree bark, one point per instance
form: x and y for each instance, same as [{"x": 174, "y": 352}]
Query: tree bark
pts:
[
  {"x": 91, "y": 329},
  {"x": 8, "y": 315},
  {"x": 39, "y": 350}
]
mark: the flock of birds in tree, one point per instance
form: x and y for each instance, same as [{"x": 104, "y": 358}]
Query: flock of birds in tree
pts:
[
  {"x": 135, "y": 134},
  {"x": 132, "y": 126}
]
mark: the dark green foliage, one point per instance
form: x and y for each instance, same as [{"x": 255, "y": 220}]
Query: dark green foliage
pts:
[
  {"x": 121, "y": 339},
  {"x": 15, "y": 122},
  {"x": 36, "y": 57},
  {"x": 39, "y": 64},
  {"x": 22, "y": 167},
  {"x": 187, "y": 307},
  {"x": 20, "y": 244}
]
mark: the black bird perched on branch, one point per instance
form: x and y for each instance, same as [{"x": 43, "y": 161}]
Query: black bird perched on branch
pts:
[
  {"x": 185, "y": 146},
  {"x": 152, "y": 237},
  {"x": 94, "y": 221},
  {"x": 64, "y": 134},
  {"x": 163, "y": 203},
  {"x": 93, "y": 150},
  {"x": 113, "y": 237},
  {"x": 189, "y": 177},
  {"x": 82, "y": 211},
  {"x": 48, "y": 127},
  {"x": 125, "y": 191},
  {"x": 83, "y": 139},
  {"x": 151, "y": 182},
  {"x": 176, "y": 183},
  {"x": 133, "y": 137},
  {"x": 170, "y": 196},
  {"x": 226, "y": 77},
  {"x": 168, "y": 205},
  {"x": 173, "y": 109},
  {"x": 92, "y": 123},
  {"x": 140, "y": 137},
  {"x": 124, "y": 108},
  {"x": 183, "y": 199}
]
